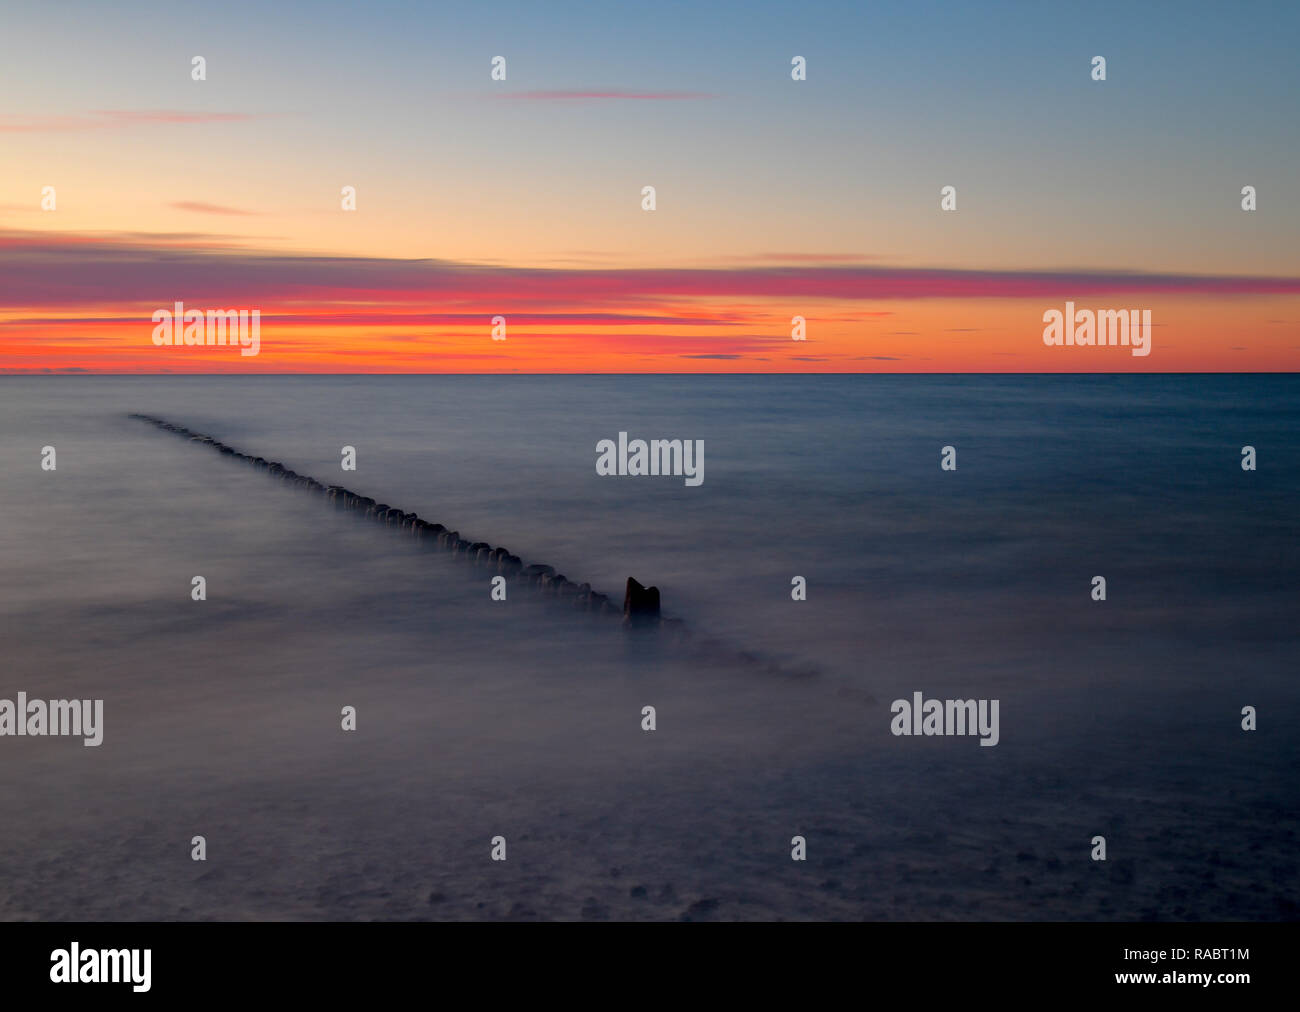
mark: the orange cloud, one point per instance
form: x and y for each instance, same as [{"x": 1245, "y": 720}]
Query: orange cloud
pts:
[{"x": 85, "y": 301}]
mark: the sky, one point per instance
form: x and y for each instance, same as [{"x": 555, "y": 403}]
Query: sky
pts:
[{"x": 774, "y": 198}]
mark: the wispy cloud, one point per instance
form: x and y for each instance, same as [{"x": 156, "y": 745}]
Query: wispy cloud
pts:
[
  {"x": 199, "y": 207},
  {"x": 406, "y": 319},
  {"x": 107, "y": 119},
  {"x": 798, "y": 258},
  {"x": 68, "y": 270},
  {"x": 603, "y": 94}
]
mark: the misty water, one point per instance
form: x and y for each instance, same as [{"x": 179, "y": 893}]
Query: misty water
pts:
[{"x": 522, "y": 718}]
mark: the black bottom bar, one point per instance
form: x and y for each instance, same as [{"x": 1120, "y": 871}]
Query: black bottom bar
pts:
[{"x": 806, "y": 962}]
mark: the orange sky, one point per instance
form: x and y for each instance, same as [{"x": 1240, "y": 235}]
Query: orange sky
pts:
[
  {"x": 85, "y": 302},
  {"x": 133, "y": 179},
  {"x": 403, "y": 331}
]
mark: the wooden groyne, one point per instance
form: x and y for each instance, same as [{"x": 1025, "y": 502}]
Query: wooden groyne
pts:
[
  {"x": 640, "y": 605},
  {"x": 640, "y": 611}
]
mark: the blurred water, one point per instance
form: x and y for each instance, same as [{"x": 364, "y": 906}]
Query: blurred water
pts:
[{"x": 478, "y": 718}]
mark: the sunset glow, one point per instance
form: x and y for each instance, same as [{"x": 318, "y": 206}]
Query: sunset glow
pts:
[{"x": 522, "y": 198}]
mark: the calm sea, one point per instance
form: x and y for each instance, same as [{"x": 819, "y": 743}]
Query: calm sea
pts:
[{"x": 478, "y": 718}]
